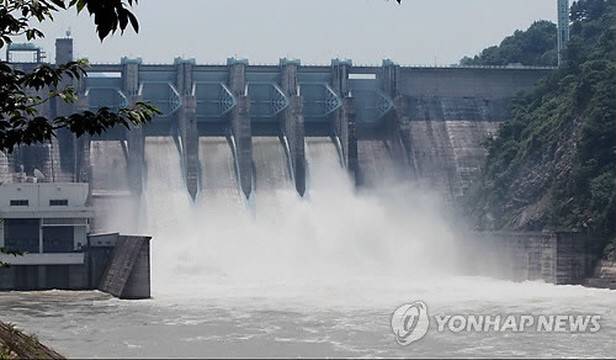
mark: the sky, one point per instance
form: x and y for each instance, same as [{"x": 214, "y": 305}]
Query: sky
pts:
[{"x": 418, "y": 32}]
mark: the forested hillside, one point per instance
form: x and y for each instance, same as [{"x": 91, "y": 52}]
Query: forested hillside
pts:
[
  {"x": 535, "y": 46},
  {"x": 553, "y": 165}
]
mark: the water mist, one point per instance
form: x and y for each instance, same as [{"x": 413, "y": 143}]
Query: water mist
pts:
[{"x": 332, "y": 237}]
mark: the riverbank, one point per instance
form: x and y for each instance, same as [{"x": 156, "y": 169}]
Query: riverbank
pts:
[{"x": 14, "y": 344}]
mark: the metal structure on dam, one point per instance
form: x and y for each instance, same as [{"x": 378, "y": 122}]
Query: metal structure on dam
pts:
[{"x": 428, "y": 121}]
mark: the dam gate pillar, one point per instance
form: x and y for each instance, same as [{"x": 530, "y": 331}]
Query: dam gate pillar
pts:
[
  {"x": 344, "y": 120},
  {"x": 135, "y": 136},
  {"x": 347, "y": 128},
  {"x": 187, "y": 126},
  {"x": 241, "y": 127},
  {"x": 293, "y": 123}
]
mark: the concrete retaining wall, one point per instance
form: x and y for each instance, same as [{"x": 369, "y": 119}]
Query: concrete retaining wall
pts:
[
  {"x": 555, "y": 257},
  {"x": 44, "y": 277},
  {"x": 118, "y": 265}
]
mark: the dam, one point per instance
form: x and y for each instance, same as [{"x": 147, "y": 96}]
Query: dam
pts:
[
  {"x": 239, "y": 136},
  {"x": 422, "y": 123}
]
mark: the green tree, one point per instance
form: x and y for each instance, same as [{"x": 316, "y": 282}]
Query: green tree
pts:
[
  {"x": 20, "y": 92},
  {"x": 534, "y": 47}
]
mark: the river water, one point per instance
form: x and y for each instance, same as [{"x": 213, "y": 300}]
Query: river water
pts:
[
  {"x": 296, "y": 320},
  {"x": 280, "y": 276}
]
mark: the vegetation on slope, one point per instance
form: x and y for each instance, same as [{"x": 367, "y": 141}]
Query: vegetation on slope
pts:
[
  {"x": 535, "y": 46},
  {"x": 553, "y": 165},
  {"x": 16, "y": 345}
]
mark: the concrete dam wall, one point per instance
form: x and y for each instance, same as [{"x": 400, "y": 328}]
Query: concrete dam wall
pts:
[
  {"x": 426, "y": 124},
  {"x": 447, "y": 114}
]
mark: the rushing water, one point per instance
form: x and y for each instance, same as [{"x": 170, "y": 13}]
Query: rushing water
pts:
[{"x": 279, "y": 275}]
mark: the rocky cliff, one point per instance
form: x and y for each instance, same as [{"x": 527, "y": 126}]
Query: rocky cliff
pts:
[{"x": 553, "y": 164}]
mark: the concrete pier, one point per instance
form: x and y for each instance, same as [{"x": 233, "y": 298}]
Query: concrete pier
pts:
[
  {"x": 293, "y": 123},
  {"x": 127, "y": 266},
  {"x": 241, "y": 128},
  {"x": 187, "y": 126},
  {"x": 135, "y": 137},
  {"x": 346, "y": 130}
]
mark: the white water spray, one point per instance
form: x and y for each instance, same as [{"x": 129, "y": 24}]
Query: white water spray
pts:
[{"x": 332, "y": 237}]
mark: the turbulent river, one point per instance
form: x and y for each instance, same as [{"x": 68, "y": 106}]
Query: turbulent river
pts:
[{"x": 281, "y": 276}]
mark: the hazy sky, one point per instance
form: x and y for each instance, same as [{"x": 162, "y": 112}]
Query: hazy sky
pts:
[{"x": 367, "y": 31}]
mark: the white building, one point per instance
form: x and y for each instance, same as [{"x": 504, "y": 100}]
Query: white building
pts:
[{"x": 48, "y": 223}]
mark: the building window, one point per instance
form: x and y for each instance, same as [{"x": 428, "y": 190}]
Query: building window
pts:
[
  {"x": 63, "y": 202},
  {"x": 20, "y": 203},
  {"x": 58, "y": 239},
  {"x": 22, "y": 235}
]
